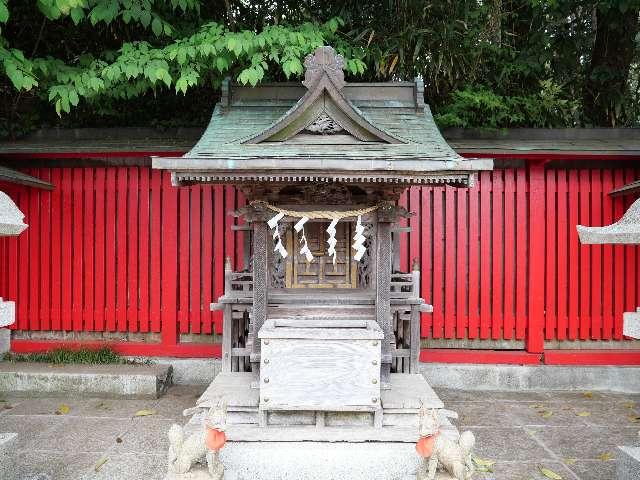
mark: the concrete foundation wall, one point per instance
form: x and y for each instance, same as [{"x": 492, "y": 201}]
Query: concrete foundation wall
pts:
[{"x": 468, "y": 376}]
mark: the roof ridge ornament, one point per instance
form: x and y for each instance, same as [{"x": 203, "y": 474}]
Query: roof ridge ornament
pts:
[
  {"x": 324, "y": 80},
  {"x": 324, "y": 61}
]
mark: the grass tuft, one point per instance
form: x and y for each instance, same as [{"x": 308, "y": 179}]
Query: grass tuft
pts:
[{"x": 102, "y": 356}]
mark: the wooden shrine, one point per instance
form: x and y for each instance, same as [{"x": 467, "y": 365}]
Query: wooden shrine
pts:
[{"x": 321, "y": 329}]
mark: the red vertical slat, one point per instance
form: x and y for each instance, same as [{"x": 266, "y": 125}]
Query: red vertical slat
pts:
[
  {"x": 45, "y": 253},
  {"x": 450, "y": 262},
  {"x": 22, "y": 298},
  {"x": 461, "y": 263},
  {"x": 241, "y": 201},
  {"x": 535, "y": 331},
  {"x": 132, "y": 249},
  {"x": 110, "y": 249},
  {"x": 183, "y": 248},
  {"x": 596, "y": 257},
  {"x": 99, "y": 259},
  {"x": 34, "y": 256},
  {"x": 89, "y": 246},
  {"x": 485, "y": 255},
  {"x": 207, "y": 257},
  {"x": 57, "y": 247},
  {"x": 585, "y": 257},
  {"x": 426, "y": 255},
  {"x": 607, "y": 258},
  {"x": 77, "y": 266},
  {"x": 630, "y": 261},
  {"x": 404, "y": 239},
  {"x": 619, "y": 287},
  {"x": 143, "y": 249},
  {"x": 438, "y": 256},
  {"x": 522, "y": 248},
  {"x": 13, "y": 266},
  {"x": 229, "y": 221},
  {"x": 169, "y": 261},
  {"x": 562, "y": 254},
  {"x": 218, "y": 232},
  {"x": 550, "y": 264},
  {"x": 156, "y": 249},
  {"x": 414, "y": 223},
  {"x": 497, "y": 255},
  {"x": 67, "y": 248},
  {"x": 574, "y": 279},
  {"x": 196, "y": 260},
  {"x": 474, "y": 263},
  {"x": 121, "y": 248},
  {"x": 509, "y": 254}
]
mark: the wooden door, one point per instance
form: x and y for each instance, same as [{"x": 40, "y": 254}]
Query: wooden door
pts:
[{"x": 321, "y": 272}]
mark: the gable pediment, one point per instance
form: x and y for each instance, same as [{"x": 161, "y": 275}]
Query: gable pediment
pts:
[{"x": 323, "y": 110}]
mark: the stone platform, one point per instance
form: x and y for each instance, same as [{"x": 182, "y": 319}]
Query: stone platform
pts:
[
  {"x": 312, "y": 445},
  {"x": 400, "y": 406},
  {"x": 315, "y": 461}
]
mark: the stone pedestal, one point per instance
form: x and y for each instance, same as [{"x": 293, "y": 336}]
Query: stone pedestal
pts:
[
  {"x": 631, "y": 324},
  {"x": 5, "y": 341},
  {"x": 7, "y": 317},
  {"x": 628, "y": 467},
  {"x": 8, "y": 445}
]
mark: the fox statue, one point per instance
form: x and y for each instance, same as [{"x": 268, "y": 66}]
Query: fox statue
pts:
[
  {"x": 454, "y": 458},
  {"x": 184, "y": 453}
]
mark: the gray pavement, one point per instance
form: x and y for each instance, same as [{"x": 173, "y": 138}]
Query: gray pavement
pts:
[{"x": 573, "y": 434}]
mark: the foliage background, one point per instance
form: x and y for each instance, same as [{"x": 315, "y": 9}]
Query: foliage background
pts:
[{"x": 490, "y": 64}]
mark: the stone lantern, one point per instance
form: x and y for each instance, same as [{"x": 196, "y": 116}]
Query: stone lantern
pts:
[{"x": 11, "y": 224}]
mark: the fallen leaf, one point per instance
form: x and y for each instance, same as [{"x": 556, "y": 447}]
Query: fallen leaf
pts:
[
  {"x": 587, "y": 394},
  {"x": 570, "y": 461},
  {"x": 605, "y": 456},
  {"x": 482, "y": 462},
  {"x": 549, "y": 473},
  {"x": 100, "y": 464},
  {"x": 583, "y": 414},
  {"x": 629, "y": 404},
  {"x": 546, "y": 414},
  {"x": 538, "y": 405},
  {"x": 144, "y": 413},
  {"x": 634, "y": 418},
  {"x": 63, "y": 409}
]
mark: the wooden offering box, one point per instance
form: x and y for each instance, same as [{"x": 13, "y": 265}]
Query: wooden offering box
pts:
[{"x": 330, "y": 365}]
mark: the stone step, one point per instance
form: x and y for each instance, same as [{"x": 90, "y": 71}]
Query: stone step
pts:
[
  {"x": 318, "y": 461},
  {"x": 129, "y": 381}
]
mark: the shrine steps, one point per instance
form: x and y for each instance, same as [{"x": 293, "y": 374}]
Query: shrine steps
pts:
[
  {"x": 400, "y": 406},
  {"x": 311, "y": 445},
  {"x": 315, "y": 461}
]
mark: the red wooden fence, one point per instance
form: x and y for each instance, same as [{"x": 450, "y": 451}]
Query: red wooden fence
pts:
[{"x": 118, "y": 249}]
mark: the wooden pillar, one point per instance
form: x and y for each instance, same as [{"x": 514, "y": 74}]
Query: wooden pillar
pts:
[
  {"x": 260, "y": 287},
  {"x": 383, "y": 294}
]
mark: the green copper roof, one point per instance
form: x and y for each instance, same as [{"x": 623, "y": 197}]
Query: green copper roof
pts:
[{"x": 323, "y": 130}]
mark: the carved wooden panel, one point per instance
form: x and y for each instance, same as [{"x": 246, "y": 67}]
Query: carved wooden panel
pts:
[{"x": 321, "y": 272}]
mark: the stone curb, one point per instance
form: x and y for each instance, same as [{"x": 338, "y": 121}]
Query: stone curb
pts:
[
  {"x": 628, "y": 467},
  {"x": 130, "y": 381},
  {"x": 8, "y": 452}
]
